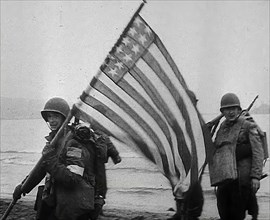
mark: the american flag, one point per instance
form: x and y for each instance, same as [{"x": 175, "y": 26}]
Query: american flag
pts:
[{"x": 140, "y": 98}]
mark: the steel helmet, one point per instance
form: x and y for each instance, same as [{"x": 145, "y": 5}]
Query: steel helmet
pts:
[
  {"x": 55, "y": 104},
  {"x": 229, "y": 100}
]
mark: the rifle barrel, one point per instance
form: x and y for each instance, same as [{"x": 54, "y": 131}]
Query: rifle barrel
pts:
[
  {"x": 252, "y": 103},
  {"x": 215, "y": 120}
]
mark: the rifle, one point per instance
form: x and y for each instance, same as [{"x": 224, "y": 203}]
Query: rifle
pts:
[
  {"x": 35, "y": 176},
  {"x": 213, "y": 124},
  {"x": 37, "y": 173}
]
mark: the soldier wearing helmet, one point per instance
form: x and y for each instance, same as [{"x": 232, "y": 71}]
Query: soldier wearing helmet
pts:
[
  {"x": 55, "y": 105},
  {"x": 230, "y": 106},
  {"x": 238, "y": 140},
  {"x": 55, "y": 112},
  {"x": 68, "y": 166}
]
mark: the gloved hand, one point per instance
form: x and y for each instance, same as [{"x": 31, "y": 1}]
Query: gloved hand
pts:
[
  {"x": 17, "y": 194},
  {"x": 117, "y": 159},
  {"x": 48, "y": 151}
]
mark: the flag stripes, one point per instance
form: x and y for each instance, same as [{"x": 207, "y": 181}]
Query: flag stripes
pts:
[
  {"x": 117, "y": 120},
  {"x": 123, "y": 84},
  {"x": 170, "y": 61},
  {"x": 140, "y": 98},
  {"x": 152, "y": 62},
  {"x": 160, "y": 103},
  {"x": 153, "y": 117},
  {"x": 191, "y": 113},
  {"x": 102, "y": 88}
]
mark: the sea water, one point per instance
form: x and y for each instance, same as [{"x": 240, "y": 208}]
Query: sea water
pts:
[{"x": 134, "y": 183}]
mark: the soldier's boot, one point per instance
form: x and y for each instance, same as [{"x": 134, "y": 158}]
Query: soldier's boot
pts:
[
  {"x": 179, "y": 215},
  {"x": 99, "y": 202},
  {"x": 254, "y": 217}
]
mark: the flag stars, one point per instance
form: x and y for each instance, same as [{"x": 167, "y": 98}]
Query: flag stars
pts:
[
  {"x": 135, "y": 48},
  {"x": 132, "y": 31},
  {"x": 127, "y": 58},
  {"x": 108, "y": 59},
  {"x": 111, "y": 57},
  {"x": 138, "y": 21},
  {"x": 104, "y": 64},
  {"x": 119, "y": 49},
  {"x": 119, "y": 65},
  {"x": 112, "y": 71},
  {"x": 126, "y": 41},
  {"x": 148, "y": 30},
  {"x": 142, "y": 39}
]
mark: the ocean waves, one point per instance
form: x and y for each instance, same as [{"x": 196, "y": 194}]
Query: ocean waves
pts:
[{"x": 19, "y": 158}]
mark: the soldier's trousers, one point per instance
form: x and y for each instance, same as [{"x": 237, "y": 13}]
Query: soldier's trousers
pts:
[{"x": 234, "y": 200}]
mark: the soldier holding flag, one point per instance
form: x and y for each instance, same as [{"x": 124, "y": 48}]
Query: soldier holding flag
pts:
[{"x": 68, "y": 166}]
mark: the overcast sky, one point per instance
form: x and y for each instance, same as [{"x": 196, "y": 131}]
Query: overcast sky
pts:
[{"x": 54, "y": 48}]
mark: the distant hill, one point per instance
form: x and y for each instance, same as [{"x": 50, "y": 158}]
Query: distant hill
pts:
[
  {"x": 20, "y": 108},
  {"x": 262, "y": 109}
]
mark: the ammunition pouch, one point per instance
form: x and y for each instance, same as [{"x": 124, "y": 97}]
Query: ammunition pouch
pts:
[
  {"x": 43, "y": 211},
  {"x": 38, "y": 201},
  {"x": 48, "y": 194}
]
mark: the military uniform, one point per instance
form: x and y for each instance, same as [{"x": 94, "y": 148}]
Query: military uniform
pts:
[
  {"x": 72, "y": 173},
  {"x": 68, "y": 193},
  {"x": 104, "y": 150},
  {"x": 235, "y": 197},
  {"x": 46, "y": 201},
  {"x": 70, "y": 164}
]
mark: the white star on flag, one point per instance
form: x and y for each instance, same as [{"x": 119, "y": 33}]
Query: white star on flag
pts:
[
  {"x": 142, "y": 39},
  {"x": 138, "y": 21},
  {"x": 113, "y": 71},
  {"x": 148, "y": 30},
  {"x": 119, "y": 49},
  {"x": 119, "y": 65},
  {"x": 127, "y": 57},
  {"x": 132, "y": 31},
  {"x": 126, "y": 41},
  {"x": 135, "y": 48}
]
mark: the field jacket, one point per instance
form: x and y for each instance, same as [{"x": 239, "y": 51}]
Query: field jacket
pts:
[
  {"x": 71, "y": 169},
  {"x": 249, "y": 150}
]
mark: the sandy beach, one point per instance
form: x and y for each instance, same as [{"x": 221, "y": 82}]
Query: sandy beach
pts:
[{"x": 23, "y": 210}]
